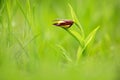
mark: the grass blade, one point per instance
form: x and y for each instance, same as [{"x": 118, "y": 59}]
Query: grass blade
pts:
[
  {"x": 76, "y": 20},
  {"x": 79, "y": 53},
  {"x": 64, "y": 52},
  {"x": 24, "y": 13},
  {"x": 91, "y": 36},
  {"x": 87, "y": 41}
]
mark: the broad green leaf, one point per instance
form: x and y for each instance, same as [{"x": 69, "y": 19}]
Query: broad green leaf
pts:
[{"x": 64, "y": 52}]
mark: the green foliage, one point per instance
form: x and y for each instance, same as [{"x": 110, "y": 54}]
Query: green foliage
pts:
[
  {"x": 28, "y": 40},
  {"x": 83, "y": 43},
  {"x": 76, "y": 20}
]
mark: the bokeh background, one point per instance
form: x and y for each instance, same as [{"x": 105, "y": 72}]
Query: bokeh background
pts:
[{"x": 29, "y": 42}]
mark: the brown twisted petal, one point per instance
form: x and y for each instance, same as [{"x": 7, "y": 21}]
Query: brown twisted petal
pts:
[{"x": 63, "y": 23}]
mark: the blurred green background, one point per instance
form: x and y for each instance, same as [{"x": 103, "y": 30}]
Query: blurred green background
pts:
[{"x": 28, "y": 40}]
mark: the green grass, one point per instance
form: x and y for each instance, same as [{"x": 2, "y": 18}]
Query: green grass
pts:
[{"x": 31, "y": 48}]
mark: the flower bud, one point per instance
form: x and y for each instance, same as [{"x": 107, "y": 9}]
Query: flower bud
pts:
[{"x": 63, "y": 23}]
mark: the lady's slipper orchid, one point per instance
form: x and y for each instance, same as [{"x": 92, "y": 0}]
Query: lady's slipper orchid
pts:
[{"x": 63, "y": 23}]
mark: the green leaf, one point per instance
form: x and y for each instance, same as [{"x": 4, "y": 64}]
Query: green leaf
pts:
[
  {"x": 76, "y": 20},
  {"x": 24, "y": 13},
  {"x": 91, "y": 36},
  {"x": 77, "y": 36},
  {"x": 74, "y": 17},
  {"x": 87, "y": 41},
  {"x": 79, "y": 53}
]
